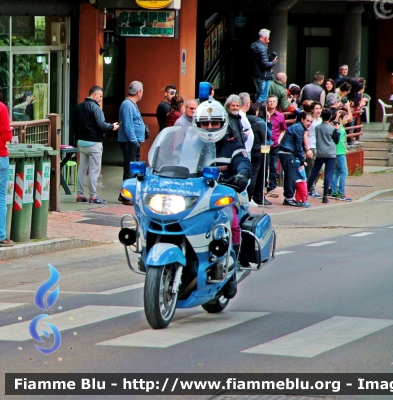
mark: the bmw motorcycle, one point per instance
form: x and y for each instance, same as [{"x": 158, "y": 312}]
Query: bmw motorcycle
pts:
[{"x": 182, "y": 228}]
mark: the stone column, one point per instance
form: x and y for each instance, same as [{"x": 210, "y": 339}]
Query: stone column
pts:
[
  {"x": 351, "y": 43},
  {"x": 278, "y": 25}
]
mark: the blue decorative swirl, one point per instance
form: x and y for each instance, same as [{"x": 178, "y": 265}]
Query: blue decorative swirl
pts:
[
  {"x": 35, "y": 335},
  {"x": 39, "y": 298}
]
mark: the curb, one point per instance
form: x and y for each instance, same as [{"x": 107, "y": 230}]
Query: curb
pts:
[
  {"x": 45, "y": 246},
  {"x": 374, "y": 194}
]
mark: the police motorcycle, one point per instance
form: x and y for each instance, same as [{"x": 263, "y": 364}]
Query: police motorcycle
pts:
[{"x": 182, "y": 227}]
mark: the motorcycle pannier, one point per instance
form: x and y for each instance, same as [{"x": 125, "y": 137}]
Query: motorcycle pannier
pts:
[{"x": 260, "y": 225}]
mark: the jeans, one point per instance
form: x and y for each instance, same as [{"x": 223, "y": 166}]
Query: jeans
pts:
[
  {"x": 273, "y": 165},
  {"x": 90, "y": 157},
  {"x": 329, "y": 166},
  {"x": 4, "y": 163},
  {"x": 310, "y": 164},
  {"x": 131, "y": 152},
  {"x": 262, "y": 88},
  {"x": 340, "y": 174},
  {"x": 289, "y": 167}
]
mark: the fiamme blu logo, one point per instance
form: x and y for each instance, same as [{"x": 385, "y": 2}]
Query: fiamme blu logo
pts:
[{"x": 45, "y": 300}]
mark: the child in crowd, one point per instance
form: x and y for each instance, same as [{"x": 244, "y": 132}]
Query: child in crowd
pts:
[
  {"x": 301, "y": 185},
  {"x": 340, "y": 172}
]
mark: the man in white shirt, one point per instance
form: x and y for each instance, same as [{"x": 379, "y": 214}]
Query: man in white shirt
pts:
[
  {"x": 244, "y": 107},
  {"x": 311, "y": 151}
]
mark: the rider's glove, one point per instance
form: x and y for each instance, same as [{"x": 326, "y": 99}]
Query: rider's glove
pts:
[{"x": 240, "y": 181}]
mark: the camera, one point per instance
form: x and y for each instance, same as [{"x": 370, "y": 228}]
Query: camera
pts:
[{"x": 273, "y": 56}]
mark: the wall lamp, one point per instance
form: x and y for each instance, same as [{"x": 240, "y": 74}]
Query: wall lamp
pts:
[{"x": 107, "y": 56}]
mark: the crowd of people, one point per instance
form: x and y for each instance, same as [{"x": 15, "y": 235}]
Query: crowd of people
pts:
[{"x": 317, "y": 138}]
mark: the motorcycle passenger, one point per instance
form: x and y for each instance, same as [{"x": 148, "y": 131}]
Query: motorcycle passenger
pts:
[{"x": 211, "y": 121}]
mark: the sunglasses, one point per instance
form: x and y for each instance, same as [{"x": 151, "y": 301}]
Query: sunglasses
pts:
[
  {"x": 192, "y": 108},
  {"x": 214, "y": 124},
  {"x": 173, "y": 93}
]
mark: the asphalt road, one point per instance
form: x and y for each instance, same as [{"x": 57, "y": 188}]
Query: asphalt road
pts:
[{"x": 324, "y": 305}]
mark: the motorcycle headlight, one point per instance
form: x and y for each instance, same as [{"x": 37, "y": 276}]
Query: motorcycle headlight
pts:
[{"x": 169, "y": 203}]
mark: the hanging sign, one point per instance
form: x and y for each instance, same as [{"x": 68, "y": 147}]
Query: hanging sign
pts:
[
  {"x": 154, "y": 4},
  {"x": 145, "y": 23}
]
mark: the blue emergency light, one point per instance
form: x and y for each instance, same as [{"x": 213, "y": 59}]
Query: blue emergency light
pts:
[
  {"x": 210, "y": 173},
  {"x": 137, "y": 167}
]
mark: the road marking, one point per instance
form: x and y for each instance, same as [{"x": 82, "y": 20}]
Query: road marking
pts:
[
  {"x": 6, "y": 306},
  {"x": 362, "y": 234},
  {"x": 279, "y": 253},
  {"x": 124, "y": 288},
  {"x": 320, "y": 244},
  {"x": 71, "y": 319},
  {"x": 184, "y": 329},
  {"x": 105, "y": 292},
  {"x": 390, "y": 227},
  {"x": 321, "y": 337}
]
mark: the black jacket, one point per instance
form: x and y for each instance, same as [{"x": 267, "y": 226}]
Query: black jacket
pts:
[
  {"x": 232, "y": 155},
  {"x": 235, "y": 128},
  {"x": 261, "y": 131},
  {"x": 261, "y": 67},
  {"x": 89, "y": 121}
]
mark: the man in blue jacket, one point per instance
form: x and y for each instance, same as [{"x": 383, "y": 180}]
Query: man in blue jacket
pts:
[
  {"x": 261, "y": 66},
  {"x": 131, "y": 130},
  {"x": 291, "y": 147}
]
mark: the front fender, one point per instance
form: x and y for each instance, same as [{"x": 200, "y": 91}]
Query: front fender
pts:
[{"x": 163, "y": 254}]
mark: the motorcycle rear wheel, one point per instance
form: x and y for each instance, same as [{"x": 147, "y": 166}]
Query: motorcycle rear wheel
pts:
[
  {"x": 160, "y": 302},
  {"x": 216, "y": 305}
]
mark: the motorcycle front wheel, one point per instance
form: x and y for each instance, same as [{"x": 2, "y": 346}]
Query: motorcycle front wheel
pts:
[
  {"x": 160, "y": 302},
  {"x": 216, "y": 305}
]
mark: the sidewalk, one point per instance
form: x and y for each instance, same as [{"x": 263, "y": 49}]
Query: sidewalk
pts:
[{"x": 95, "y": 222}]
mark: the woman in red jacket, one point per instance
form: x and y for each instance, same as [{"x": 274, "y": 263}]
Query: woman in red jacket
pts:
[{"x": 5, "y": 136}]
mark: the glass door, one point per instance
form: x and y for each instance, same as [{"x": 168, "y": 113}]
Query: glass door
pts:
[{"x": 30, "y": 86}]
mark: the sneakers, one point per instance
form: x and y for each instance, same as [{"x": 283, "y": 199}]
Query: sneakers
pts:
[
  {"x": 315, "y": 194},
  {"x": 97, "y": 200},
  {"x": 271, "y": 193},
  {"x": 334, "y": 195},
  {"x": 342, "y": 197},
  {"x": 325, "y": 199},
  {"x": 305, "y": 204},
  {"x": 252, "y": 203},
  {"x": 6, "y": 243},
  {"x": 264, "y": 202},
  {"x": 81, "y": 199},
  {"x": 292, "y": 203}
]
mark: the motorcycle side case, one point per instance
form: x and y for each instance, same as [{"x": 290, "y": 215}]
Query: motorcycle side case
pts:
[{"x": 261, "y": 226}]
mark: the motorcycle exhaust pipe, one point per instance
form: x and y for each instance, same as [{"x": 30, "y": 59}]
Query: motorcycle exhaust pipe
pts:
[
  {"x": 218, "y": 247},
  {"x": 127, "y": 236}
]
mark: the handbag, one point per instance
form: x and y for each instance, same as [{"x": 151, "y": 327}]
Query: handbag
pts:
[{"x": 147, "y": 132}]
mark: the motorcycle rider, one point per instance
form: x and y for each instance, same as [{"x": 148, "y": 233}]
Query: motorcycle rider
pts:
[{"x": 211, "y": 122}]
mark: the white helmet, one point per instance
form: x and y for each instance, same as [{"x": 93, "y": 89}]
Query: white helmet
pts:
[{"x": 210, "y": 111}]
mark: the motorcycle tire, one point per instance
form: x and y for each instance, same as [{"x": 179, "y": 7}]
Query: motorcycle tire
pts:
[
  {"x": 160, "y": 302},
  {"x": 216, "y": 305}
]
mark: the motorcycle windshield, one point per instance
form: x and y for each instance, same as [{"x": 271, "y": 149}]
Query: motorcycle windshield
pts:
[{"x": 178, "y": 152}]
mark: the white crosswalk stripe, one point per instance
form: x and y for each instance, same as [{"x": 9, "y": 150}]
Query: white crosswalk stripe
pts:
[
  {"x": 321, "y": 337},
  {"x": 362, "y": 234},
  {"x": 279, "y": 253},
  {"x": 321, "y": 244},
  {"x": 184, "y": 329},
  {"x": 6, "y": 306},
  {"x": 67, "y": 320}
]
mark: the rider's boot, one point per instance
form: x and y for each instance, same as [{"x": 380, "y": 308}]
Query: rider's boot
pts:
[{"x": 230, "y": 289}]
